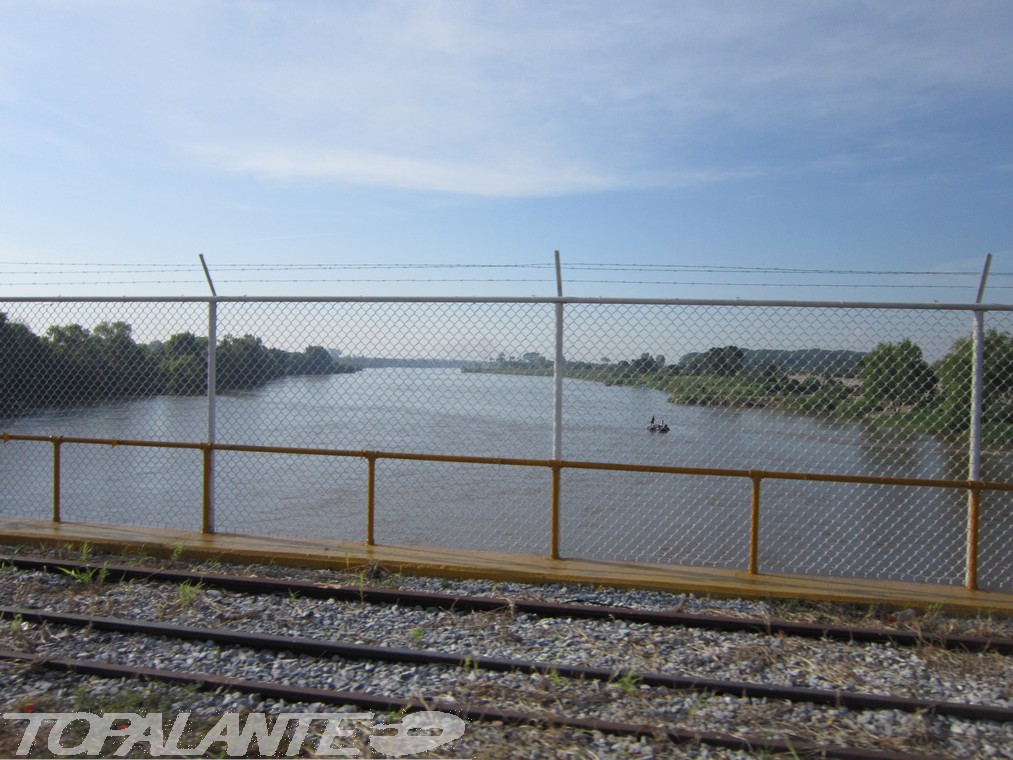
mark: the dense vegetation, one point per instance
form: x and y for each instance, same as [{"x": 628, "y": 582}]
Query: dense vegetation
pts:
[
  {"x": 71, "y": 365},
  {"x": 892, "y": 384}
]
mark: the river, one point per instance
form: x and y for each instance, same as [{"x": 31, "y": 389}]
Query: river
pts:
[{"x": 833, "y": 529}]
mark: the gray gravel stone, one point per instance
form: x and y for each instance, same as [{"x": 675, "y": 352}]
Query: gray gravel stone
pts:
[{"x": 622, "y": 646}]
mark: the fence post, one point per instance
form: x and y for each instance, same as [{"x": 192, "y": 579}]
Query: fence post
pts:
[
  {"x": 212, "y": 392},
  {"x": 973, "y": 514},
  {"x": 974, "y": 446},
  {"x": 56, "y": 480},
  {"x": 370, "y": 498},
  {"x": 554, "y": 516},
  {"x": 754, "y": 526},
  {"x": 207, "y": 521},
  {"x": 557, "y": 415}
]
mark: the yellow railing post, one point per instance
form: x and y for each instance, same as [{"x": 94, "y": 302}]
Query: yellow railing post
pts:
[
  {"x": 370, "y": 498},
  {"x": 554, "y": 527},
  {"x": 754, "y": 526},
  {"x": 973, "y": 515},
  {"x": 56, "y": 480},
  {"x": 207, "y": 518}
]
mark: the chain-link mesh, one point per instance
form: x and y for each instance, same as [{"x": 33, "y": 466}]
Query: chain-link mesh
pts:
[
  {"x": 485, "y": 507},
  {"x": 96, "y": 370},
  {"x": 848, "y": 390},
  {"x": 996, "y": 529},
  {"x": 288, "y": 495},
  {"x": 655, "y": 518}
]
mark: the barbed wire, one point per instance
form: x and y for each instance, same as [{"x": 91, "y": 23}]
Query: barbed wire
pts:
[
  {"x": 125, "y": 274},
  {"x": 198, "y": 281},
  {"x": 133, "y": 268}
]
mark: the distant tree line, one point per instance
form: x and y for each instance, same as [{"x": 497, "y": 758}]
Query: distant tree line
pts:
[
  {"x": 71, "y": 365},
  {"x": 892, "y": 384}
]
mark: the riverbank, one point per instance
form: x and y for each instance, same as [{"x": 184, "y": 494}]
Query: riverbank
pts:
[{"x": 816, "y": 395}]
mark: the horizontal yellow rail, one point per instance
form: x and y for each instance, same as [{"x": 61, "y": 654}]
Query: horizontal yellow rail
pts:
[
  {"x": 982, "y": 485},
  {"x": 974, "y": 487}
]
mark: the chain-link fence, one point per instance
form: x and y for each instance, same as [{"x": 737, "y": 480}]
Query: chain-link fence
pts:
[{"x": 851, "y": 390}]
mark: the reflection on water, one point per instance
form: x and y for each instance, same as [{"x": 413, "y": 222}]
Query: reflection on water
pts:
[{"x": 834, "y": 529}]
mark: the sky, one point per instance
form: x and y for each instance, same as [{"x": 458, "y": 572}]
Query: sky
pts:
[{"x": 667, "y": 149}]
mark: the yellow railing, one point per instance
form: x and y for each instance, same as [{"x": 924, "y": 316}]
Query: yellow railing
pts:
[{"x": 973, "y": 487}]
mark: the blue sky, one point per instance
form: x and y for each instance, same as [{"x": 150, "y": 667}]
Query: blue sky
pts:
[{"x": 812, "y": 135}]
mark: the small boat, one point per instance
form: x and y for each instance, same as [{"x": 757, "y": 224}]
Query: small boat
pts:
[{"x": 658, "y": 428}]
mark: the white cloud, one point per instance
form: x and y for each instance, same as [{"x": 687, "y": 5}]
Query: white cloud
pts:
[
  {"x": 406, "y": 173},
  {"x": 500, "y": 98}
]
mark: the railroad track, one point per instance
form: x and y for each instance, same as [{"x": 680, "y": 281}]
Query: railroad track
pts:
[
  {"x": 322, "y": 649},
  {"x": 470, "y": 603}
]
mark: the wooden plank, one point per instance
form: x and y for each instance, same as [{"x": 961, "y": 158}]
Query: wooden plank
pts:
[{"x": 460, "y": 563}]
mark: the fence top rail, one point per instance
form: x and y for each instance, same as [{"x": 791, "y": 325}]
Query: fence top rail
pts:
[
  {"x": 974, "y": 485},
  {"x": 518, "y": 300}
]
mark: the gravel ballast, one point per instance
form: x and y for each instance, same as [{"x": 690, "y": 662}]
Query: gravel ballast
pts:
[{"x": 924, "y": 672}]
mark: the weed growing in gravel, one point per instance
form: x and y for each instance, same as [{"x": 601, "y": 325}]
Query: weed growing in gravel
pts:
[
  {"x": 19, "y": 634},
  {"x": 87, "y": 576},
  {"x": 377, "y": 576},
  {"x": 552, "y": 680},
  {"x": 188, "y": 592},
  {"x": 628, "y": 683},
  {"x": 177, "y": 550},
  {"x": 138, "y": 552}
]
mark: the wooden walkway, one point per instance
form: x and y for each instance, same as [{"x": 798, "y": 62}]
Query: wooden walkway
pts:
[{"x": 459, "y": 563}]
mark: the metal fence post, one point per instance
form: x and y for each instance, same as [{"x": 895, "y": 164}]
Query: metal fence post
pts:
[
  {"x": 974, "y": 446},
  {"x": 212, "y": 393},
  {"x": 557, "y": 416}
]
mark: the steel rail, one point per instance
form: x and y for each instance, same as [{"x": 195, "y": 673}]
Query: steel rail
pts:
[
  {"x": 472, "y": 603},
  {"x": 382, "y": 703},
  {"x": 331, "y": 648}
]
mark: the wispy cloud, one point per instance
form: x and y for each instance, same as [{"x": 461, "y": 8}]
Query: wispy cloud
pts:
[
  {"x": 505, "y": 98},
  {"x": 402, "y": 172}
]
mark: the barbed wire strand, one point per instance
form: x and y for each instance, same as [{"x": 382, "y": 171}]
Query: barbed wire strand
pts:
[
  {"x": 198, "y": 281},
  {"x": 93, "y": 268}
]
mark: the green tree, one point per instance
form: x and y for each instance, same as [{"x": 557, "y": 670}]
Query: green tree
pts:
[
  {"x": 124, "y": 368},
  {"x": 895, "y": 374},
  {"x": 535, "y": 359},
  {"x": 75, "y": 367},
  {"x": 24, "y": 359},
  {"x": 244, "y": 363},
  {"x": 183, "y": 365},
  {"x": 646, "y": 364},
  {"x": 955, "y": 372},
  {"x": 185, "y": 344},
  {"x": 316, "y": 360},
  {"x": 725, "y": 361}
]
